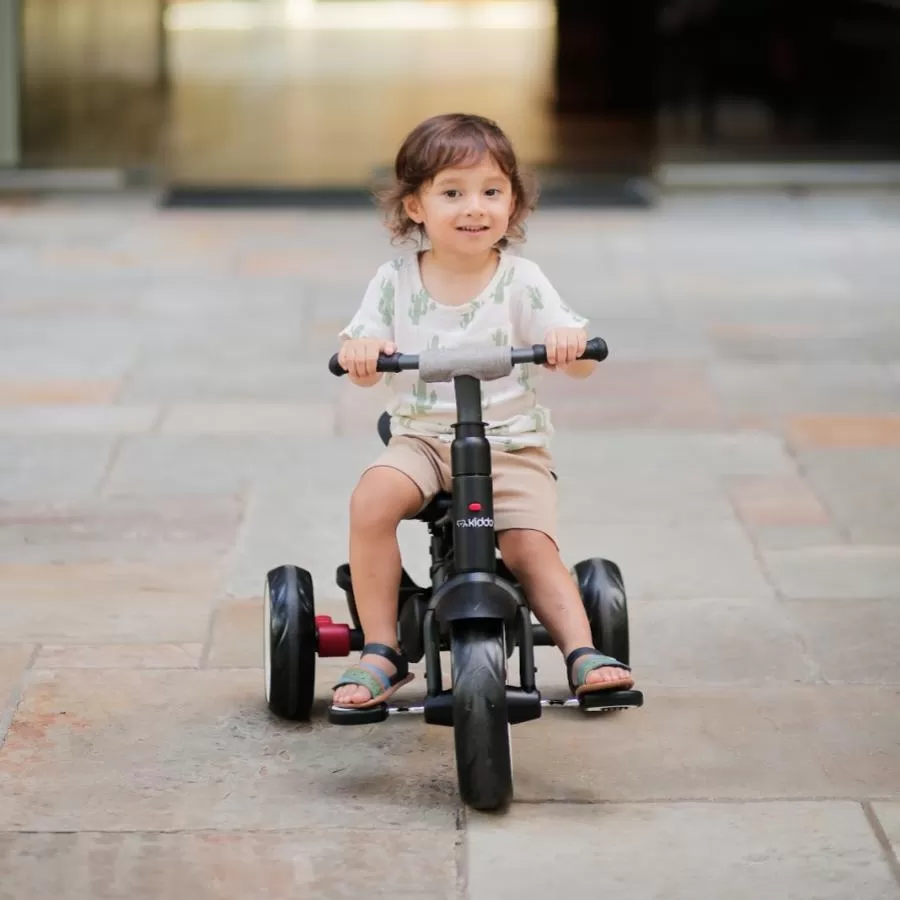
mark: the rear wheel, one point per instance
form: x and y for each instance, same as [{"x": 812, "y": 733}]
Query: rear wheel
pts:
[
  {"x": 481, "y": 729},
  {"x": 289, "y": 642},
  {"x": 603, "y": 594}
]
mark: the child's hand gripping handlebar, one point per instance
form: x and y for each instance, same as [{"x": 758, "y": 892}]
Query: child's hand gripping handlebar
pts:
[{"x": 483, "y": 363}]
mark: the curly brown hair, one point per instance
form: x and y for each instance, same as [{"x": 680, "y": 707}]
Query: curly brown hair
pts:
[{"x": 445, "y": 141}]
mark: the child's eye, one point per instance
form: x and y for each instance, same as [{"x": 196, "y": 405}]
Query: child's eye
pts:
[
  {"x": 451, "y": 193},
  {"x": 493, "y": 192}
]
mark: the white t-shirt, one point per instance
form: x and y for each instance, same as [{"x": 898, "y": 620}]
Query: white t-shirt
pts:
[{"x": 517, "y": 308}]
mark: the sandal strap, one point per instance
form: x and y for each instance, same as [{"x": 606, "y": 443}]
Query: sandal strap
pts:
[
  {"x": 591, "y": 659},
  {"x": 397, "y": 660},
  {"x": 374, "y": 679},
  {"x": 357, "y": 675}
]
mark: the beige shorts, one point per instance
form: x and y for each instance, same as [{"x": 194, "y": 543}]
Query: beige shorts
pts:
[{"x": 524, "y": 483}]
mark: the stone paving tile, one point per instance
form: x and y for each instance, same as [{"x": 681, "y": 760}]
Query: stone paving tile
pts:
[
  {"x": 783, "y": 500},
  {"x": 54, "y": 393},
  {"x": 204, "y": 377},
  {"x": 889, "y": 816},
  {"x": 836, "y": 573},
  {"x": 13, "y": 660},
  {"x": 69, "y": 348},
  {"x": 67, "y": 420},
  {"x": 43, "y": 468},
  {"x": 717, "y": 641},
  {"x": 162, "y": 750},
  {"x": 640, "y": 348},
  {"x": 735, "y": 743},
  {"x": 639, "y": 495},
  {"x": 845, "y": 431},
  {"x": 676, "y": 454},
  {"x": 309, "y": 420},
  {"x": 121, "y": 528},
  {"x": 861, "y": 488},
  {"x": 742, "y": 851},
  {"x": 158, "y": 465},
  {"x": 237, "y": 634},
  {"x": 778, "y": 389},
  {"x": 118, "y": 656},
  {"x": 794, "y": 537},
  {"x": 669, "y": 561},
  {"x": 652, "y": 395},
  {"x": 268, "y": 865},
  {"x": 850, "y": 344},
  {"x": 851, "y": 640},
  {"x": 98, "y": 602},
  {"x": 357, "y": 410}
]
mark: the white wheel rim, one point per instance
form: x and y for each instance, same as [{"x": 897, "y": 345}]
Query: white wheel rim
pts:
[{"x": 267, "y": 642}]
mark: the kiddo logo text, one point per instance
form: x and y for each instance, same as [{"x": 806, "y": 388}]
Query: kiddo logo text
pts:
[{"x": 478, "y": 522}]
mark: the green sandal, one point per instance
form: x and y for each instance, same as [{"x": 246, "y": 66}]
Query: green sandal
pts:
[
  {"x": 376, "y": 681},
  {"x": 591, "y": 659}
]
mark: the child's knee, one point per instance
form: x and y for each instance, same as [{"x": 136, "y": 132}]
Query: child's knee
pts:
[
  {"x": 383, "y": 498},
  {"x": 524, "y": 549}
]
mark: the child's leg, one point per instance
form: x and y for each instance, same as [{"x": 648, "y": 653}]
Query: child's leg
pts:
[
  {"x": 554, "y": 597},
  {"x": 396, "y": 487},
  {"x": 382, "y": 499},
  {"x": 525, "y": 516}
]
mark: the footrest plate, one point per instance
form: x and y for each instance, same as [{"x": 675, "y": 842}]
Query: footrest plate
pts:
[
  {"x": 604, "y": 701},
  {"x": 340, "y": 716}
]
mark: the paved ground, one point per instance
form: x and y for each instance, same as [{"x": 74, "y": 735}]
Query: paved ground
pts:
[{"x": 168, "y": 432}]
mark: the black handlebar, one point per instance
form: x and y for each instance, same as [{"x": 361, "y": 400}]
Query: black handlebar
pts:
[{"x": 596, "y": 349}]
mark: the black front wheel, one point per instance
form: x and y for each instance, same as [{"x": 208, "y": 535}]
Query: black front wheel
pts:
[{"x": 480, "y": 720}]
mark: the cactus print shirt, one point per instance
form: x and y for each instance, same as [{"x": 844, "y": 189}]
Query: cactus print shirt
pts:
[{"x": 517, "y": 308}]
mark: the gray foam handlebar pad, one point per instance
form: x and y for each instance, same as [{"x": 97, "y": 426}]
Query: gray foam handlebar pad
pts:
[{"x": 484, "y": 363}]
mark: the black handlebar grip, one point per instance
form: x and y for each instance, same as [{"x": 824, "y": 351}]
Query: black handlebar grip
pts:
[
  {"x": 386, "y": 363},
  {"x": 596, "y": 349},
  {"x": 335, "y": 367}
]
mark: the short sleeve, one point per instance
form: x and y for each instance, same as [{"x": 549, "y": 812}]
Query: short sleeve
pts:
[
  {"x": 538, "y": 306},
  {"x": 375, "y": 316}
]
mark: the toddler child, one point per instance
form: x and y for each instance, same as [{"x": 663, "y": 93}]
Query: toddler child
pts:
[{"x": 458, "y": 188}]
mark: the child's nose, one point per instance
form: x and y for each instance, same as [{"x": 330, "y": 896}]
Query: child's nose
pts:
[{"x": 474, "y": 203}]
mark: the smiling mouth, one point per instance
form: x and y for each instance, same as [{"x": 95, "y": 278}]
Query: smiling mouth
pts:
[{"x": 472, "y": 228}]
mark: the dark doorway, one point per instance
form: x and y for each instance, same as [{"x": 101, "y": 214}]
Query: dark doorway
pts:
[{"x": 786, "y": 80}]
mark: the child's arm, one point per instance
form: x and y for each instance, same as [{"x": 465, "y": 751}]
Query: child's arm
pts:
[
  {"x": 543, "y": 318},
  {"x": 370, "y": 331}
]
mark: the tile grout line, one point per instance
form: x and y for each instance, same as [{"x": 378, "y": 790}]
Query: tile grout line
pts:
[
  {"x": 203, "y": 662},
  {"x": 16, "y": 694},
  {"x": 206, "y": 649},
  {"x": 812, "y": 667},
  {"x": 461, "y": 855},
  {"x": 461, "y": 815},
  {"x": 111, "y": 462},
  {"x": 793, "y": 455},
  {"x": 883, "y": 840}
]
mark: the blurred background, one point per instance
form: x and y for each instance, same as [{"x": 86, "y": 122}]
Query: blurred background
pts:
[{"x": 306, "y": 96}]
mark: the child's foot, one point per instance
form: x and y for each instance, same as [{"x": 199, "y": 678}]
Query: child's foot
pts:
[
  {"x": 590, "y": 670},
  {"x": 380, "y": 671}
]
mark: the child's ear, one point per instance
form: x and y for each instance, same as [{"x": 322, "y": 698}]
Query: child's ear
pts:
[{"x": 413, "y": 208}]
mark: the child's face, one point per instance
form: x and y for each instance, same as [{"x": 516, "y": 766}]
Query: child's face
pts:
[{"x": 466, "y": 210}]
